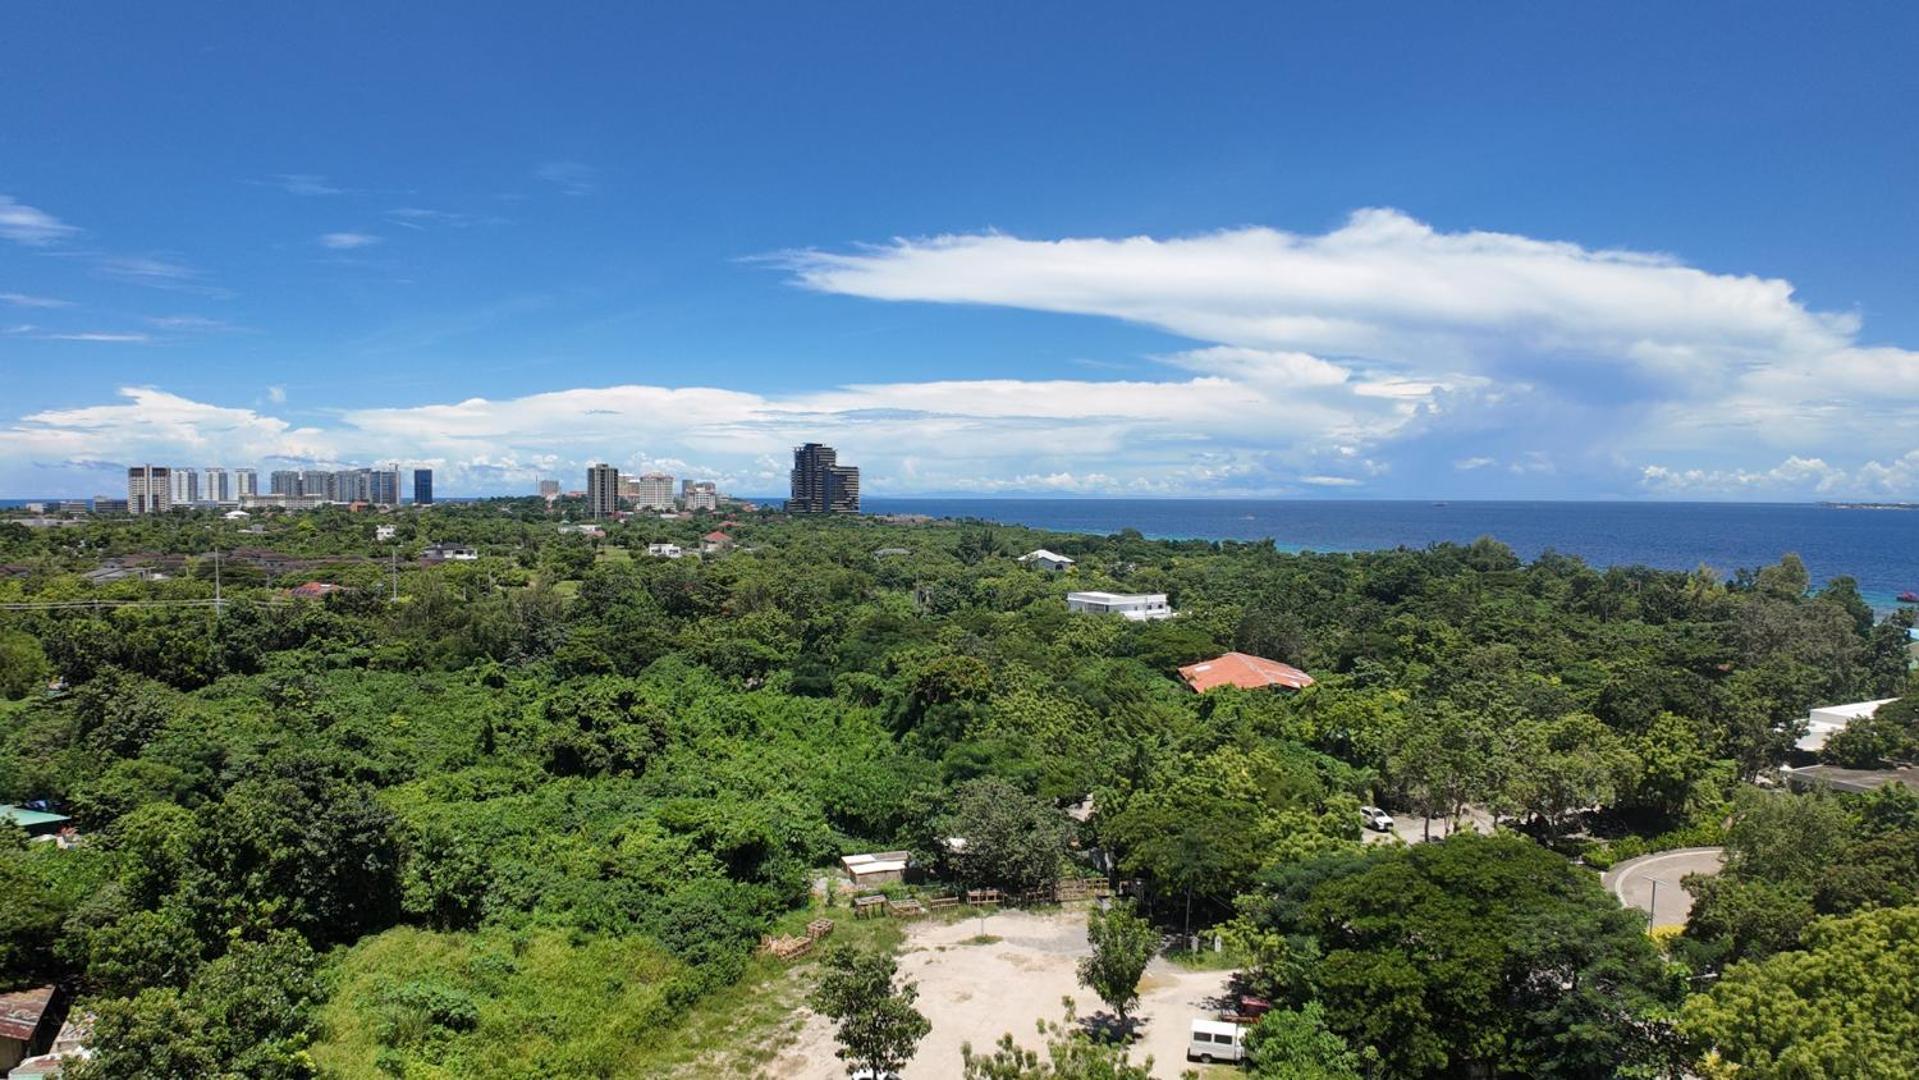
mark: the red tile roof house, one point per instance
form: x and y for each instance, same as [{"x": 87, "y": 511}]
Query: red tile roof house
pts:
[
  {"x": 1244, "y": 671},
  {"x": 314, "y": 590},
  {"x": 715, "y": 541},
  {"x": 26, "y": 1026}
]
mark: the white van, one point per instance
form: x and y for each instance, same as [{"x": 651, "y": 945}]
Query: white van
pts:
[{"x": 1216, "y": 1040}]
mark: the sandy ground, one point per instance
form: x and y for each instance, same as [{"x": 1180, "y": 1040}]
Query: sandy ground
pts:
[
  {"x": 1637, "y": 881},
  {"x": 977, "y": 992}
]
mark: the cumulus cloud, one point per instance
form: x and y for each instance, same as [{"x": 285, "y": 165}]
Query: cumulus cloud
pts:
[{"x": 1652, "y": 356}]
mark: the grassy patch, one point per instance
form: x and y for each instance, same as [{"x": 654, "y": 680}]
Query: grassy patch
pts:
[{"x": 1205, "y": 959}]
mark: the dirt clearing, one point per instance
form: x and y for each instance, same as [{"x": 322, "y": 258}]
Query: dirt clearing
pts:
[{"x": 975, "y": 990}]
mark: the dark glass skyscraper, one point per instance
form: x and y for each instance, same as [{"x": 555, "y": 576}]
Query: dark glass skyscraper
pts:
[
  {"x": 821, "y": 485},
  {"x": 423, "y": 487}
]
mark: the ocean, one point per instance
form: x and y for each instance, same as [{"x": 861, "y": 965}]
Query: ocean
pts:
[{"x": 1879, "y": 548}]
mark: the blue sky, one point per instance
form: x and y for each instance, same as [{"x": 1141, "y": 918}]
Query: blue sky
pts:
[{"x": 1405, "y": 250}]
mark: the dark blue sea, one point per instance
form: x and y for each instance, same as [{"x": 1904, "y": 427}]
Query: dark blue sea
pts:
[{"x": 1880, "y": 548}]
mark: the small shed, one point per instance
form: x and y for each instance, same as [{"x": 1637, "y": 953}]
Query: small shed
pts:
[
  {"x": 25, "y": 1024},
  {"x": 877, "y": 868}
]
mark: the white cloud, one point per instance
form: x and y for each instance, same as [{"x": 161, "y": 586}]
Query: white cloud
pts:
[
  {"x": 133, "y": 337},
  {"x": 1610, "y": 355},
  {"x": 277, "y": 394},
  {"x": 347, "y": 241},
  {"x": 26, "y": 301},
  {"x": 1471, "y": 463},
  {"x": 24, "y": 224}
]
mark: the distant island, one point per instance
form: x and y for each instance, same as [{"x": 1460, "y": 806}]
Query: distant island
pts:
[{"x": 1870, "y": 505}]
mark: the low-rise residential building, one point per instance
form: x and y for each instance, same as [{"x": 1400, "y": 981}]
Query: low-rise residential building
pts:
[
  {"x": 1047, "y": 560},
  {"x": 1138, "y": 607},
  {"x": 315, "y": 590},
  {"x": 583, "y": 529},
  {"x": 1829, "y": 720},
  {"x": 1245, "y": 671},
  {"x": 438, "y": 553},
  {"x": 715, "y": 542},
  {"x": 383, "y": 533},
  {"x": 665, "y": 551}
]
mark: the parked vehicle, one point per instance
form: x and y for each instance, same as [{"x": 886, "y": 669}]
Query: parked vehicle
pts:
[
  {"x": 1375, "y": 818},
  {"x": 1214, "y": 1040}
]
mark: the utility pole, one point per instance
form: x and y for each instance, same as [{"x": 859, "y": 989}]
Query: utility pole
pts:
[
  {"x": 396, "y": 574},
  {"x": 216, "y": 582}
]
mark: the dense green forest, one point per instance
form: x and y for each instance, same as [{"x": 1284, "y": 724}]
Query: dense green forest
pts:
[{"x": 515, "y": 816}]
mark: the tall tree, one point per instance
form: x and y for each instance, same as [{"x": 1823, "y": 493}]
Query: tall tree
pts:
[
  {"x": 1123, "y": 944},
  {"x": 878, "y": 1027}
]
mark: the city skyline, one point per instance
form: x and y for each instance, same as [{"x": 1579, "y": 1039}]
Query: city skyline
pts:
[{"x": 1627, "y": 252}]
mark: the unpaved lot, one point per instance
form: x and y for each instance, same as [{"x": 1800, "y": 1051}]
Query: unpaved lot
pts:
[{"x": 975, "y": 992}]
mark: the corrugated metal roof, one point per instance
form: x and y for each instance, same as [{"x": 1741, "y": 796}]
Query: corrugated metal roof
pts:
[
  {"x": 1244, "y": 671},
  {"x": 22, "y": 1010}
]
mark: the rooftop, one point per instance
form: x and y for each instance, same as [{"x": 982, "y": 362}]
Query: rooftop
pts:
[
  {"x": 26, "y": 819},
  {"x": 1829, "y": 720},
  {"x": 22, "y": 1010},
  {"x": 1244, "y": 671},
  {"x": 1853, "y": 780}
]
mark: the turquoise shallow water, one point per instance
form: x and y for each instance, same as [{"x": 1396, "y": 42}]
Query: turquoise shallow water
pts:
[{"x": 1880, "y": 548}]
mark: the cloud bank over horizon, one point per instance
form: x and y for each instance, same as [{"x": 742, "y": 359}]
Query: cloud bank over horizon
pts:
[{"x": 1382, "y": 357}]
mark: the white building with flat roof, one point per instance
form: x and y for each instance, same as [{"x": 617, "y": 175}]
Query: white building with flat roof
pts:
[
  {"x": 1824, "y": 723},
  {"x": 1138, "y": 607}
]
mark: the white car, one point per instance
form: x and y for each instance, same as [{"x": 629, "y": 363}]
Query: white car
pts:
[{"x": 1375, "y": 818}]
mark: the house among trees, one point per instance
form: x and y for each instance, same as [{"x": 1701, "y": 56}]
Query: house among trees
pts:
[
  {"x": 315, "y": 590},
  {"x": 1826, "y": 722},
  {"x": 715, "y": 542},
  {"x": 1244, "y": 671},
  {"x": 1138, "y": 607},
  {"x": 1047, "y": 560}
]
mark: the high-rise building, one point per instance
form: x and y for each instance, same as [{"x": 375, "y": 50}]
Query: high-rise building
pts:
[
  {"x": 245, "y": 482},
  {"x": 149, "y": 489},
  {"x": 700, "y": 495},
  {"x": 317, "y": 484},
  {"x": 348, "y": 486},
  {"x": 602, "y": 490},
  {"x": 423, "y": 487},
  {"x": 215, "y": 485},
  {"x": 185, "y": 486},
  {"x": 549, "y": 489},
  {"x": 651, "y": 491},
  {"x": 821, "y": 485},
  {"x": 383, "y": 486},
  {"x": 286, "y": 482}
]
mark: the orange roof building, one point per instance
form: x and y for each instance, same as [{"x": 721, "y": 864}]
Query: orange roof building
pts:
[{"x": 1244, "y": 671}]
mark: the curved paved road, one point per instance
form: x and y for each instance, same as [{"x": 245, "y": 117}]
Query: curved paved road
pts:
[{"x": 1637, "y": 881}]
